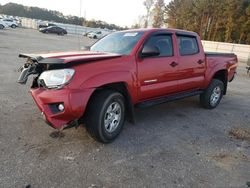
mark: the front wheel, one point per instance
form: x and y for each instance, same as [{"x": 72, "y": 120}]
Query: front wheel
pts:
[
  {"x": 61, "y": 33},
  {"x": 105, "y": 115},
  {"x": 212, "y": 95},
  {"x": 1, "y": 26},
  {"x": 13, "y": 26}
]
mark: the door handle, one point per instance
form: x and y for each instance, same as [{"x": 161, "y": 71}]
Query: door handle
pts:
[
  {"x": 200, "y": 61},
  {"x": 174, "y": 64},
  {"x": 150, "y": 81}
]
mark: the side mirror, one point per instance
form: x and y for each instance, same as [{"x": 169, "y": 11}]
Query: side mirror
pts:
[{"x": 150, "y": 51}]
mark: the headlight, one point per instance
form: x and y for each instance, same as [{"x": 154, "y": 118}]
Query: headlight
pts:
[{"x": 56, "y": 78}]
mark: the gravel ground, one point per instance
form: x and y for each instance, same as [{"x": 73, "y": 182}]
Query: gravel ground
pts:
[{"x": 178, "y": 144}]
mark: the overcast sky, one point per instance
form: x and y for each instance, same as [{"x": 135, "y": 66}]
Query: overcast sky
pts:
[{"x": 120, "y": 12}]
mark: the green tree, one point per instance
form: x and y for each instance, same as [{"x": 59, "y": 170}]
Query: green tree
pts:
[{"x": 217, "y": 20}]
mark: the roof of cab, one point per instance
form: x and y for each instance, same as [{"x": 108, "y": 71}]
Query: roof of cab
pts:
[{"x": 171, "y": 30}]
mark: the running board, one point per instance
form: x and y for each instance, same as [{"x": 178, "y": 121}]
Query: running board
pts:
[{"x": 168, "y": 98}]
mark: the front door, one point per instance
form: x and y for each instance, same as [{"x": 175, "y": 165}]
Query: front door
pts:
[{"x": 157, "y": 75}]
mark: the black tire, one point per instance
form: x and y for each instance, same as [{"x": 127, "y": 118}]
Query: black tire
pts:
[
  {"x": 214, "y": 91},
  {"x": 1, "y": 26},
  {"x": 248, "y": 70},
  {"x": 232, "y": 78},
  {"x": 97, "y": 112},
  {"x": 13, "y": 26},
  {"x": 95, "y": 37},
  {"x": 61, "y": 33}
]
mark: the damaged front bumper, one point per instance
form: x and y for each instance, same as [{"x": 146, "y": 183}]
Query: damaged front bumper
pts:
[
  {"x": 61, "y": 108},
  {"x": 50, "y": 103}
]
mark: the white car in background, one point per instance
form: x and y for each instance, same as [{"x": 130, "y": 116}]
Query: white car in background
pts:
[
  {"x": 3, "y": 25},
  {"x": 96, "y": 34},
  {"x": 9, "y": 22}
]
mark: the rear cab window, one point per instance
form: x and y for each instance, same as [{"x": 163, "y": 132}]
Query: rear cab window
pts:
[
  {"x": 188, "y": 45},
  {"x": 163, "y": 42}
]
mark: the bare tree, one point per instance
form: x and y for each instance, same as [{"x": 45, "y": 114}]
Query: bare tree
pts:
[
  {"x": 148, "y": 4},
  {"x": 159, "y": 13}
]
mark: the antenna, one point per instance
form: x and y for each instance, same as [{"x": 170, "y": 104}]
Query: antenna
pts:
[{"x": 79, "y": 42}]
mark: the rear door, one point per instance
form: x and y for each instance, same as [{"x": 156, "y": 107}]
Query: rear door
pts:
[
  {"x": 191, "y": 63},
  {"x": 158, "y": 75}
]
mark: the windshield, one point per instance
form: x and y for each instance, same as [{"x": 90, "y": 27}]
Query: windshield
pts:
[{"x": 120, "y": 43}]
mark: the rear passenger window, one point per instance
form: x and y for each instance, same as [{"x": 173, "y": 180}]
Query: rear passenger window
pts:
[
  {"x": 163, "y": 43},
  {"x": 187, "y": 45}
]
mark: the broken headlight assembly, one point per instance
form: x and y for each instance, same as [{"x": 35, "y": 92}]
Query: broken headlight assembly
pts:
[{"x": 55, "y": 79}]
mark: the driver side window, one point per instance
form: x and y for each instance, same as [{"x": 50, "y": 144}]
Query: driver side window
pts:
[{"x": 163, "y": 43}]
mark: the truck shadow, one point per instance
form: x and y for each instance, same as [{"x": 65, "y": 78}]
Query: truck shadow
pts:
[{"x": 181, "y": 109}]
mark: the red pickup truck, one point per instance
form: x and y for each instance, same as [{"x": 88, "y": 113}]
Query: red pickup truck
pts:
[{"x": 135, "y": 68}]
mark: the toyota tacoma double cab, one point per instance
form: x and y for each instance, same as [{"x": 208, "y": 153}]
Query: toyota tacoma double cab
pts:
[{"x": 136, "y": 68}]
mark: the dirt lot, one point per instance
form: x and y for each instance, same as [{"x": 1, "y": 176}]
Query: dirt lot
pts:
[{"x": 177, "y": 144}]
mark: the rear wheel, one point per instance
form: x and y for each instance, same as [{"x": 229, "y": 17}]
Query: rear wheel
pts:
[
  {"x": 212, "y": 95},
  {"x": 13, "y": 26},
  {"x": 105, "y": 115},
  {"x": 1, "y": 26}
]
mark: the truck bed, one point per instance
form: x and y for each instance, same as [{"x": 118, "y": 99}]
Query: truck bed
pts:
[{"x": 220, "y": 54}]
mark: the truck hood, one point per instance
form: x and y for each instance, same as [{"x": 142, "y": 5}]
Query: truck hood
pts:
[
  {"x": 75, "y": 57},
  {"x": 37, "y": 63}
]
